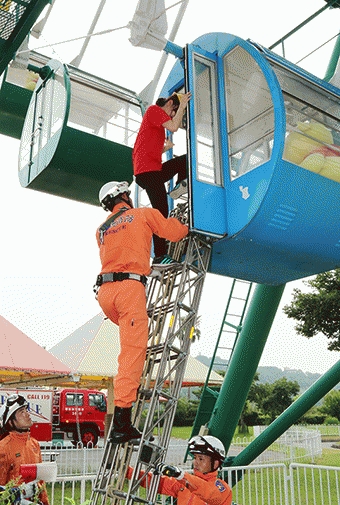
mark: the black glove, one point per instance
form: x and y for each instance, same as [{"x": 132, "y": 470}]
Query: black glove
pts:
[{"x": 170, "y": 471}]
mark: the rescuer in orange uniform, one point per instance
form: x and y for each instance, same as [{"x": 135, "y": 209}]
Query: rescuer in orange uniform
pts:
[
  {"x": 124, "y": 241},
  {"x": 17, "y": 447},
  {"x": 201, "y": 488}
]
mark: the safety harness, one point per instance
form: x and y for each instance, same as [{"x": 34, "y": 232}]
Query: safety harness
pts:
[
  {"x": 120, "y": 276},
  {"x": 105, "y": 226}
]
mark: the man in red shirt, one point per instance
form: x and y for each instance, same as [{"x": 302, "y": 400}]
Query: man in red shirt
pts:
[
  {"x": 124, "y": 241},
  {"x": 150, "y": 173}
]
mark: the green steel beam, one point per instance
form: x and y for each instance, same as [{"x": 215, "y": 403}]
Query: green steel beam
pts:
[
  {"x": 306, "y": 401},
  {"x": 15, "y": 25},
  {"x": 333, "y": 60},
  {"x": 244, "y": 362},
  {"x": 330, "y": 3}
]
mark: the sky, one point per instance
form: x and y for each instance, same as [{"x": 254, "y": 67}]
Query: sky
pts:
[{"x": 49, "y": 256}]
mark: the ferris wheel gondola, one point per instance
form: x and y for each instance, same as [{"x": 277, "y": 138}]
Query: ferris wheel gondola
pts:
[{"x": 264, "y": 170}]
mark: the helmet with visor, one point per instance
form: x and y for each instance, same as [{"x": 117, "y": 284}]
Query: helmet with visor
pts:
[
  {"x": 110, "y": 191},
  {"x": 8, "y": 409},
  {"x": 207, "y": 445}
]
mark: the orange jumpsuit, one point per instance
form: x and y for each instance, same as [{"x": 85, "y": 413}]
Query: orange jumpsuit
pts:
[
  {"x": 126, "y": 247},
  {"x": 18, "y": 449},
  {"x": 197, "y": 489}
]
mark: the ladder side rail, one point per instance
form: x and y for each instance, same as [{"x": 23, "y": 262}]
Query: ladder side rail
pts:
[
  {"x": 131, "y": 493},
  {"x": 245, "y": 305},
  {"x": 122, "y": 462},
  {"x": 237, "y": 328},
  {"x": 167, "y": 415},
  {"x": 178, "y": 368},
  {"x": 207, "y": 392},
  {"x": 155, "y": 478},
  {"x": 219, "y": 337}
]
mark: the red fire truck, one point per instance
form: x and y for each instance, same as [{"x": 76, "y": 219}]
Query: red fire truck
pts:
[{"x": 65, "y": 414}]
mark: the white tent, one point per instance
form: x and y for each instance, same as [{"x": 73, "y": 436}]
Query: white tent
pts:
[{"x": 92, "y": 352}]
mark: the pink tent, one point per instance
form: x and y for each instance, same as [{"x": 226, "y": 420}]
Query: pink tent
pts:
[{"x": 23, "y": 362}]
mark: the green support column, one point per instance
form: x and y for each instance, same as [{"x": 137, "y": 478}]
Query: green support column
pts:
[
  {"x": 333, "y": 60},
  {"x": 306, "y": 401},
  {"x": 244, "y": 362}
]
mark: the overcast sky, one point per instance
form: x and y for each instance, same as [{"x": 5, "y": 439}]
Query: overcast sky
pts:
[{"x": 49, "y": 256}]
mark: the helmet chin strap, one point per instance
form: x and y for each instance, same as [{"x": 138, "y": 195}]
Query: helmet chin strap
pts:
[
  {"x": 127, "y": 201},
  {"x": 213, "y": 461}
]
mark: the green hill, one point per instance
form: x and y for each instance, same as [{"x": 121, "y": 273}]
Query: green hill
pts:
[{"x": 271, "y": 374}]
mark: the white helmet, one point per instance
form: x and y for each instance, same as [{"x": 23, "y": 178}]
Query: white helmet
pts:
[
  {"x": 11, "y": 405},
  {"x": 208, "y": 445},
  {"x": 111, "y": 190}
]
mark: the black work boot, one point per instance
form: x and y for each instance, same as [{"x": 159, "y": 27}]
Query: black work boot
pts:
[{"x": 123, "y": 431}]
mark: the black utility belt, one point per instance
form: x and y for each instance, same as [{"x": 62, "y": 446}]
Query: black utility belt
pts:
[{"x": 120, "y": 276}]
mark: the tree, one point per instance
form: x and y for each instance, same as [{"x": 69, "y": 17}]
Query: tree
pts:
[
  {"x": 313, "y": 416},
  {"x": 318, "y": 311},
  {"x": 250, "y": 415},
  {"x": 258, "y": 392},
  {"x": 281, "y": 394},
  {"x": 185, "y": 412},
  {"x": 267, "y": 401},
  {"x": 331, "y": 404}
]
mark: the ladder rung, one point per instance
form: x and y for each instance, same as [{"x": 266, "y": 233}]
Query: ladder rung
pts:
[
  {"x": 123, "y": 496},
  {"x": 98, "y": 490}
]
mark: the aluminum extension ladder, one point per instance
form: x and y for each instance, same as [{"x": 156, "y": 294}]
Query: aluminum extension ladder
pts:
[
  {"x": 229, "y": 332},
  {"x": 173, "y": 301}
]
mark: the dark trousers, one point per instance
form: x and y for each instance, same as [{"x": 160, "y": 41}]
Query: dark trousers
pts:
[{"x": 154, "y": 185}]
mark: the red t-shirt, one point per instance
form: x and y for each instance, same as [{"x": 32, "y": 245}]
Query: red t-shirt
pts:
[{"x": 148, "y": 148}]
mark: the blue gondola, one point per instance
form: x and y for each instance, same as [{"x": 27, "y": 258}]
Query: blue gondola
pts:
[{"x": 264, "y": 171}]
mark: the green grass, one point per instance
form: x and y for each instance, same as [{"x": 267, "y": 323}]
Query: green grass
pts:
[
  {"x": 184, "y": 432},
  {"x": 71, "y": 493},
  {"x": 306, "y": 482},
  {"x": 330, "y": 457},
  {"x": 330, "y": 438},
  {"x": 325, "y": 429}
]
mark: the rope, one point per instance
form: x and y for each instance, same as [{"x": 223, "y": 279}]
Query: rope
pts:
[
  {"x": 75, "y": 39},
  {"x": 317, "y": 48},
  {"x": 166, "y": 9}
]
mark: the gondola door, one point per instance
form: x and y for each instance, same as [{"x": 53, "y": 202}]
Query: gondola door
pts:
[{"x": 206, "y": 167}]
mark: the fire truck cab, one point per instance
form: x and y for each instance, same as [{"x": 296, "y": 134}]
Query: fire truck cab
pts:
[{"x": 80, "y": 414}]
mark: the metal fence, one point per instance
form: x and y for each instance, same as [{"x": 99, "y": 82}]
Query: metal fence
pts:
[
  {"x": 314, "y": 485},
  {"x": 330, "y": 430},
  {"x": 298, "y": 443},
  {"x": 68, "y": 490},
  {"x": 295, "y": 445},
  {"x": 75, "y": 461},
  {"x": 274, "y": 484},
  {"x": 259, "y": 484},
  {"x": 282, "y": 475}
]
